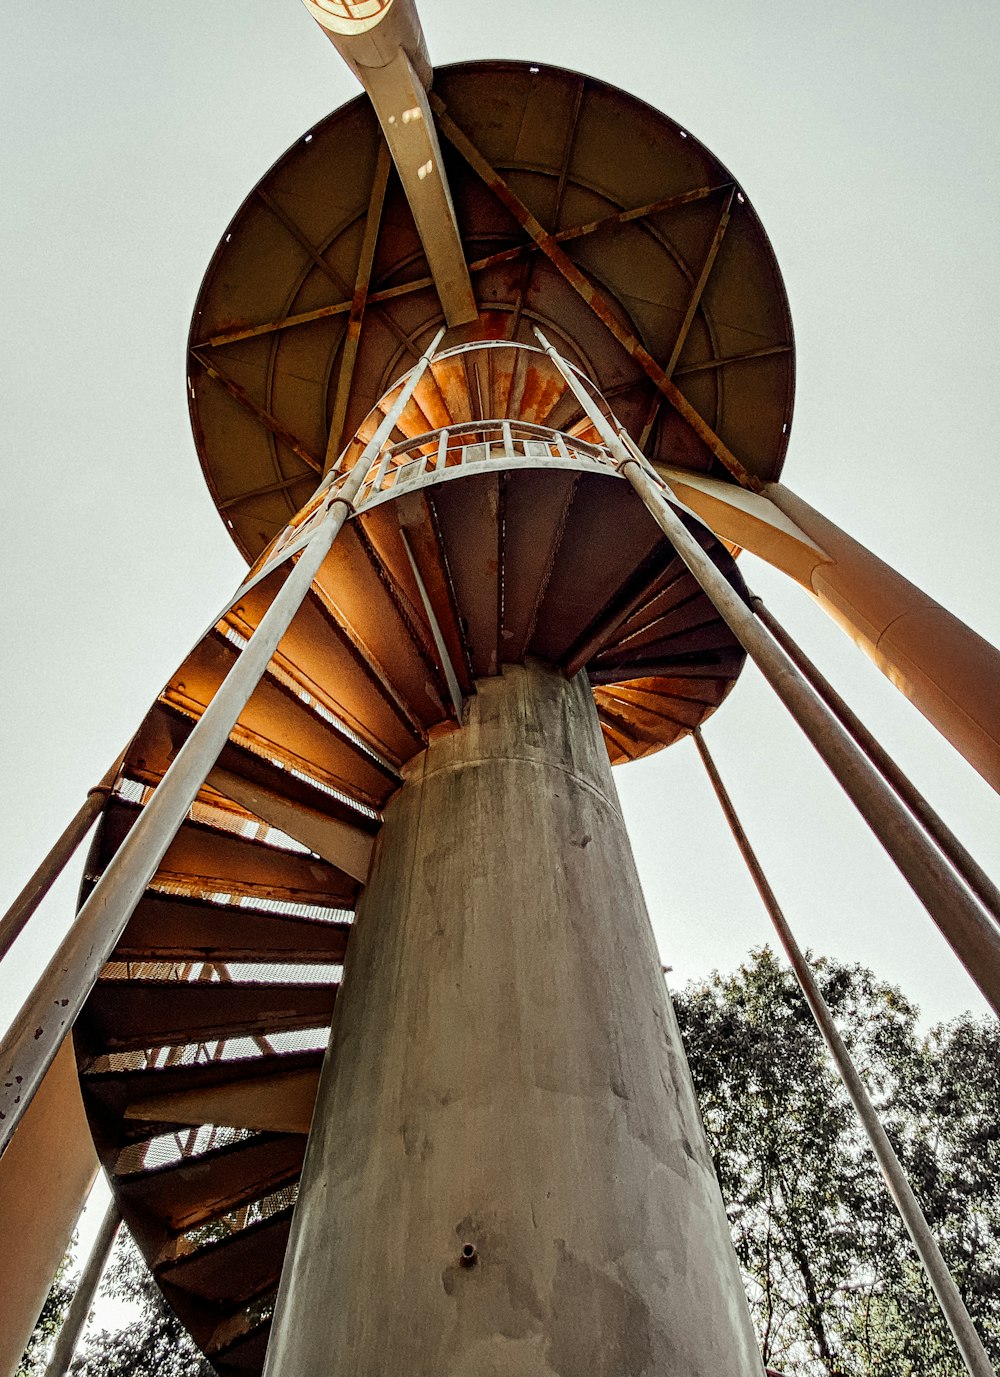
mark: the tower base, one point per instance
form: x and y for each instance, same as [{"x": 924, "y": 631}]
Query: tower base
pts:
[{"x": 507, "y": 1172}]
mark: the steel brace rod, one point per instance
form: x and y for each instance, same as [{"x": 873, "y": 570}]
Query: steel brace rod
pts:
[
  {"x": 966, "y": 927},
  {"x": 938, "y": 1274},
  {"x": 30, "y": 1045},
  {"x": 85, "y": 1294},
  {"x": 930, "y": 820}
]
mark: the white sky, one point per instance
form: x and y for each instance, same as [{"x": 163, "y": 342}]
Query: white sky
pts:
[{"x": 866, "y": 137}]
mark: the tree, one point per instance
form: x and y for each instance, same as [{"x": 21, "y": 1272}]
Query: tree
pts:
[
  {"x": 833, "y": 1284},
  {"x": 154, "y": 1344},
  {"x": 47, "y": 1326}
]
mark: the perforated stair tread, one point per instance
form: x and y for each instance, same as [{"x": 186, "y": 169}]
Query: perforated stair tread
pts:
[
  {"x": 165, "y": 730},
  {"x": 239, "y": 1266},
  {"x": 176, "y": 927},
  {"x": 112, "y": 1095},
  {"x": 210, "y": 860},
  {"x": 198, "y": 1189},
  {"x": 123, "y": 1015}
]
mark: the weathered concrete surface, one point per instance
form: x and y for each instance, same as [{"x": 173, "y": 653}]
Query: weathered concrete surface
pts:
[{"x": 505, "y": 1071}]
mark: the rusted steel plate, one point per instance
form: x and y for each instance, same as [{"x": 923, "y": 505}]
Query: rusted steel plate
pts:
[
  {"x": 123, "y": 1015},
  {"x": 209, "y": 860},
  {"x": 172, "y": 927},
  {"x": 471, "y": 524},
  {"x": 604, "y": 543},
  {"x": 538, "y": 504}
]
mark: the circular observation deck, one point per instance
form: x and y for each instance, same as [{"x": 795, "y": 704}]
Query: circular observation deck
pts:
[{"x": 589, "y": 214}]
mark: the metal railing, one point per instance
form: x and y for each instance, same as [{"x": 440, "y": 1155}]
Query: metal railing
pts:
[{"x": 405, "y": 464}]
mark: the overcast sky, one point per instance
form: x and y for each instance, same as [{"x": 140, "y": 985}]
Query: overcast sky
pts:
[{"x": 865, "y": 136}]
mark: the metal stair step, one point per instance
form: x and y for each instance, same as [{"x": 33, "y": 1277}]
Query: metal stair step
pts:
[{"x": 123, "y": 1015}]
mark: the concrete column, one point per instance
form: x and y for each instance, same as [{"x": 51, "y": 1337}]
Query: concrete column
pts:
[{"x": 507, "y": 1173}]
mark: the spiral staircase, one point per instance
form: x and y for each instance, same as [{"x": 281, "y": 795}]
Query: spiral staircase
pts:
[
  {"x": 493, "y": 527},
  {"x": 480, "y": 539}
]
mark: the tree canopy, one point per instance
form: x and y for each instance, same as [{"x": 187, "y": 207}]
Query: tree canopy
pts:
[{"x": 833, "y": 1282}]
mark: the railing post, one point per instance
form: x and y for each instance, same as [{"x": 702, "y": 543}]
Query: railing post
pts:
[
  {"x": 963, "y": 923},
  {"x": 33, "y": 1039},
  {"x": 952, "y": 1306},
  {"x": 75, "y": 1321}
]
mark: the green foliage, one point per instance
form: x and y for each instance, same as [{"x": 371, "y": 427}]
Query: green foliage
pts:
[
  {"x": 49, "y": 1321},
  {"x": 833, "y": 1283},
  {"x": 155, "y": 1344}
]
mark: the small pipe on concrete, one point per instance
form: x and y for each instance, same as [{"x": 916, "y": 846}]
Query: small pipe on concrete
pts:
[
  {"x": 31, "y": 1042},
  {"x": 952, "y": 1306}
]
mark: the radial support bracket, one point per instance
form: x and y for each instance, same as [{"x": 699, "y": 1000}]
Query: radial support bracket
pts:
[
  {"x": 388, "y": 54},
  {"x": 448, "y": 669}
]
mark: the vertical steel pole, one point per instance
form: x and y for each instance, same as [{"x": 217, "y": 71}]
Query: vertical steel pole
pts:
[
  {"x": 83, "y": 1297},
  {"x": 933, "y": 824},
  {"x": 952, "y": 1306},
  {"x": 964, "y": 925},
  {"x": 33, "y": 1039}
]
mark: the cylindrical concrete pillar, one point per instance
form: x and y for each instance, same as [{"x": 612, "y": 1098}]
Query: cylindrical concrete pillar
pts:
[{"x": 507, "y": 1173}]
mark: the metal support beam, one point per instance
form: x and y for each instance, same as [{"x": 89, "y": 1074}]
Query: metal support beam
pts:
[
  {"x": 951, "y": 1303},
  {"x": 945, "y": 669},
  {"x": 85, "y": 1294},
  {"x": 964, "y": 925},
  {"x": 352, "y": 337},
  {"x": 387, "y": 53},
  {"x": 933, "y": 824},
  {"x": 694, "y": 301},
  {"x": 447, "y": 668},
  {"x": 33, "y": 1039},
  {"x": 269, "y": 422},
  {"x": 594, "y": 298},
  {"x": 492, "y": 260},
  {"x": 698, "y": 289}
]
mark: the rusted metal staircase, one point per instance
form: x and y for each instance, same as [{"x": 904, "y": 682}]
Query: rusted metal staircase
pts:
[{"x": 476, "y": 543}]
